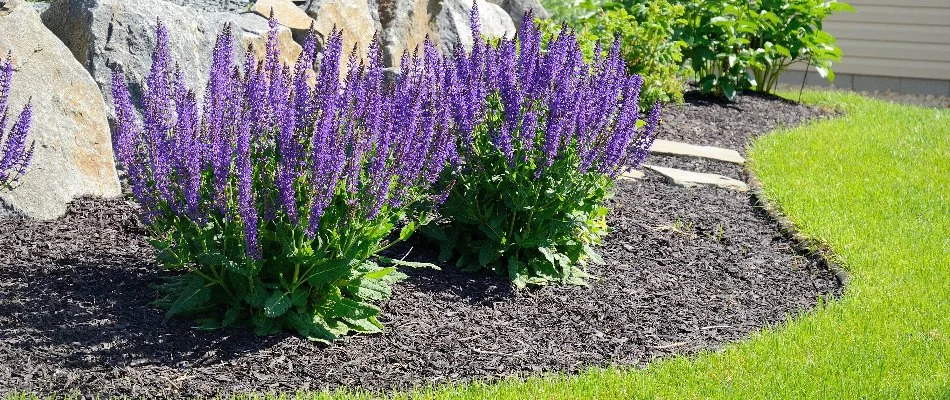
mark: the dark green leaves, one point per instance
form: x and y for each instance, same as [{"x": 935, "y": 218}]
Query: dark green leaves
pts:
[
  {"x": 533, "y": 229},
  {"x": 320, "y": 287},
  {"x": 194, "y": 294}
]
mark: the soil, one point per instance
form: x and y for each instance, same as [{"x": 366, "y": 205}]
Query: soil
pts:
[{"x": 687, "y": 269}]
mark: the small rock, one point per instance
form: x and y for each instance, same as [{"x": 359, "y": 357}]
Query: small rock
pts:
[
  {"x": 73, "y": 154},
  {"x": 667, "y": 147},
  {"x": 632, "y": 174},
  {"x": 691, "y": 179}
]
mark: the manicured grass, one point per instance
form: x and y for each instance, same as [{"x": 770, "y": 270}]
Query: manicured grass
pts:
[{"x": 874, "y": 185}]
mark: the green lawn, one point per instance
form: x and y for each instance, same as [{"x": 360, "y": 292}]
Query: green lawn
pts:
[{"x": 874, "y": 185}]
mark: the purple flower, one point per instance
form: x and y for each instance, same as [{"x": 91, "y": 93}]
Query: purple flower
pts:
[
  {"x": 15, "y": 157},
  {"x": 245, "y": 172}
]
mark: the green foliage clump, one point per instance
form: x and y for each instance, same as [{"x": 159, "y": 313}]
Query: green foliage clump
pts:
[
  {"x": 533, "y": 228},
  {"x": 320, "y": 288},
  {"x": 790, "y": 32},
  {"x": 647, "y": 32},
  {"x": 729, "y": 45},
  {"x": 727, "y": 39}
]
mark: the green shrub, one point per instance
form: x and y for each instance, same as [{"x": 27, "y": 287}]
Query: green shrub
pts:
[
  {"x": 729, "y": 45},
  {"x": 791, "y": 31},
  {"x": 543, "y": 134},
  {"x": 272, "y": 201},
  {"x": 727, "y": 39},
  {"x": 716, "y": 40},
  {"x": 646, "y": 31}
]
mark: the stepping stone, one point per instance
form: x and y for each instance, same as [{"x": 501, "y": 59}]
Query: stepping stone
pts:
[
  {"x": 692, "y": 179},
  {"x": 633, "y": 174},
  {"x": 667, "y": 147}
]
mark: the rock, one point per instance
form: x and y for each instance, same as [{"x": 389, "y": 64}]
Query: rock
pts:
[
  {"x": 692, "y": 179},
  {"x": 516, "y": 9},
  {"x": 633, "y": 174},
  {"x": 286, "y": 12},
  {"x": 405, "y": 25},
  {"x": 353, "y": 17},
  {"x": 39, "y": 6},
  {"x": 454, "y": 26},
  {"x": 667, "y": 147},
  {"x": 73, "y": 154},
  {"x": 105, "y": 33}
]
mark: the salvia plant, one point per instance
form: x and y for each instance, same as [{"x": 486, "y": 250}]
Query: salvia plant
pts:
[
  {"x": 15, "y": 155},
  {"x": 543, "y": 135},
  {"x": 274, "y": 196}
]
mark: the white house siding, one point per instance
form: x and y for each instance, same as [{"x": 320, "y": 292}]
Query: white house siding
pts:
[{"x": 898, "y": 45}]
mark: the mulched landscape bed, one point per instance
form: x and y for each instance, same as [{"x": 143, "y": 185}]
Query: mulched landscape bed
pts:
[{"x": 687, "y": 269}]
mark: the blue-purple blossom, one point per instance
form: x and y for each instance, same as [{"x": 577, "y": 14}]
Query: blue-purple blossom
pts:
[
  {"x": 15, "y": 155},
  {"x": 275, "y": 142},
  {"x": 587, "y": 109}
]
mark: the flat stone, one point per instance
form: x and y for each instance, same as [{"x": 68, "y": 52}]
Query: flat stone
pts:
[
  {"x": 667, "y": 147},
  {"x": 693, "y": 179},
  {"x": 633, "y": 174}
]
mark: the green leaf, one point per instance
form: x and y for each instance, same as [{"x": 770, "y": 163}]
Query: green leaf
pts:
[
  {"x": 369, "y": 290},
  {"x": 380, "y": 273},
  {"x": 487, "y": 254},
  {"x": 231, "y": 316},
  {"x": 435, "y": 232},
  {"x": 192, "y": 297},
  {"x": 207, "y": 324},
  {"x": 594, "y": 257},
  {"x": 407, "y": 231},
  {"x": 264, "y": 326},
  {"x": 277, "y": 304},
  {"x": 347, "y": 308},
  {"x": 257, "y": 295},
  {"x": 212, "y": 259},
  {"x": 363, "y": 325},
  {"x": 330, "y": 271},
  {"x": 548, "y": 254},
  {"x": 410, "y": 264}
]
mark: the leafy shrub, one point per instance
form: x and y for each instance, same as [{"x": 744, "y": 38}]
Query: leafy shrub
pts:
[
  {"x": 543, "y": 135},
  {"x": 646, "y": 31},
  {"x": 726, "y": 39},
  {"x": 275, "y": 197},
  {"x": 15, "y": 156},
  {"x": 791, "y": 31},
  {"x": 716, "y": 34},
  {"x": 730, "y": 45}
]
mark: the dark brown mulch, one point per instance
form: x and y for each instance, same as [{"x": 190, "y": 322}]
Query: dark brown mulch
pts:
[
  {"x": 687, "y": 269},
  {"x": 714, "y": 122}
]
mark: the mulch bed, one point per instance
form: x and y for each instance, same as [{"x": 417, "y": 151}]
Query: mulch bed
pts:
[{"x": 687, "y": 269}]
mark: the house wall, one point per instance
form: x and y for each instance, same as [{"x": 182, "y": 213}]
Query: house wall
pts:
[{"x": 897, "y": 45}]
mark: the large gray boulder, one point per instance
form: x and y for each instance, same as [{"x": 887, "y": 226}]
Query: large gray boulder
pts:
[
  {"x": 518, "y": 8},
  {"x": 406, "y": 24},
  {"x": 454, "y": 25},
  {"x": 73, "y": 153},
  {"x": 104, "y": 33}
]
